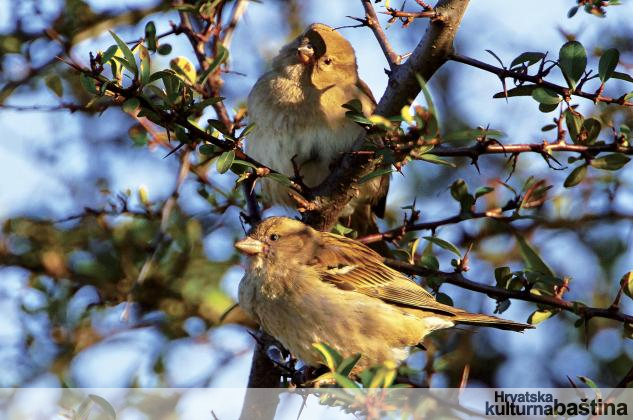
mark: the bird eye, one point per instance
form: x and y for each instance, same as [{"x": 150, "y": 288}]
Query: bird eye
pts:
[
  {"x": 328, "y": 61},
  {"x": 274, "y": 237}
]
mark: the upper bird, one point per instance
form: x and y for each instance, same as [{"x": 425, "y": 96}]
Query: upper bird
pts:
[
  {"x": 304, "y": 286},
  {"x": 297, "y": 111}
]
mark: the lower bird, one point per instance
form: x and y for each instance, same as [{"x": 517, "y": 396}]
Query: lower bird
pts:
[{"x": 304, "y": 286}]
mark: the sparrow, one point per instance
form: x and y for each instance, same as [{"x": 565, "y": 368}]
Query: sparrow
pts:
[
  {"x": 300, "y": 122},
  {"x": 304, "y": 287}
]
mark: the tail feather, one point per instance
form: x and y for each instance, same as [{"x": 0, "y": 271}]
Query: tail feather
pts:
[{"x": 490, "y": 321}]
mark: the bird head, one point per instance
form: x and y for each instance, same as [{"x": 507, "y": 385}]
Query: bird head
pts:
[
  {"x": 322, "y": 53},
  {"x": 279, "y": 240}
]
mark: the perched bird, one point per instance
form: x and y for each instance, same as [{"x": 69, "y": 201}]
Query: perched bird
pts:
[
  {"x": 304, "y": 286},
  {"x": 297, "y": 111}
]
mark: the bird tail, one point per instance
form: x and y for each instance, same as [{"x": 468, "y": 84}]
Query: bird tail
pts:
[{"x": 489, "y": 321}]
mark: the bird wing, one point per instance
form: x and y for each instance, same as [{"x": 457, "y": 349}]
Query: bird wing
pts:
[{"x": 351, "y": 266}]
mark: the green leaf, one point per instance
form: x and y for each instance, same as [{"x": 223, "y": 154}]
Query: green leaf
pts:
[
  {"x": 184, "y": 67},
  {"x": 539, "y": 316},
  {"x": 622, "y": 76},
  {"x": 429, "y": 261},
  {"x": 181, "y": 134},
  {"x": 588, "y": 382},
  {"x": 354, "y": 105},
  {"x": 527, "y": 57},
  {"x": 547, "y": 108},
  {"x": 574, "y": 124},
  {"x": 427, "y": 95},
  {"x": 572, "y": 12},
  {"x": 219, "y": 125},
  {"x": 208, "y": 149},
  {"x": 225, "y": 161},
  {"x": 164, "y": 49},
  {"x": 525, "y": 90},
  {"x": 628, "y": 96},
  {"x": 88, "y": 83},
  {"x": 532, "y": 259},
  {"x": 374, "y": 174},
  {"x": 126, "y": 64},
  {"x": 459, "y": 190},
  {"x": 280, "y": 178},
  {"x": 54, "y": 83},
  {"x": 361, "y": 119},
  {"x": 344, "y": 381},
  {"x": 244, "y": 163},
  {"x": 331, "y": 358},
  {"x": 548, "y": 127},
  {"x": 502, "y": 276},
  {"x": 611, "y": 162},
  {"x": 131, "y": 105},
  {"x": 127, "y": 53},
  {"x": 143, "y": 54},
  {"x": 546, "y": 96},
  {"x": 339, "y": 229},
  {"x": 626, "y": 283},
  {"x": 444, "y": 299},
  {"x": 208, "y": 102},
  {"x": 444, "y": 244},
  {"x": 608, "y": 62},
  {"x": 109, "y": 53},
  {"x": 347, "y": 364},
  {"x": 247, "y": 130},
  {"x": 591, "y": 128},
  {"x": 572, "y": 60},
  {"x": 481, "y": 191},
  {"x": 436, "y": 159},
  {"x": 150, "y": 35},
  {"x": 576, "y": 176},
  {"x": 221, "y": 56}
]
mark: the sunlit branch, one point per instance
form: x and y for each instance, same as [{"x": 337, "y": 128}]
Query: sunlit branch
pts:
[{"x": 458, "y": 279}]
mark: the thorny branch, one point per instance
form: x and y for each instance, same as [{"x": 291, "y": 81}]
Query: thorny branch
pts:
[
  {"x": 371, "y": 20},
  {"x": 412, "y": 227},
  {"x": 458, "y": 279},
  {"x": 538, "y": 80}
]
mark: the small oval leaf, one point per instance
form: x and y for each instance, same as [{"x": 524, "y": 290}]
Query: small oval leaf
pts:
[
  {"x": 608, "y": 62},
  {"x": 611, "y": 162},
  {"x": 576, "y": 176},
  {"x": 546, "y": 96},
  {"x": 572, "y": 59},
  {"x": 225, "y": 161}
]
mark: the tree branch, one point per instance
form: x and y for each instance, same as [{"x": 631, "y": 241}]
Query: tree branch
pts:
[
  {"x": 338, "y": 188},
  {"x": 458, "y": 279},
  {"x": 371, "y": 20},
  {"x": 538, "y": 81},
  {"x": 401, "y": 230}
]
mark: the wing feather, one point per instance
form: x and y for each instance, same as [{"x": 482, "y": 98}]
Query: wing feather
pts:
[{"x": 353, "y": 267}]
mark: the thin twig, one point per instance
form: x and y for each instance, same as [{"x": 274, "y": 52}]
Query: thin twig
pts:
[
  {"x": 401, "y": 230},
  {"x": 371, "y": 20}
]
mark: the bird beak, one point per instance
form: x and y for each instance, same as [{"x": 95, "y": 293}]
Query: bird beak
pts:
[
  {"x": 249, "y": 246},
  {"x": 305, "y": 54}
]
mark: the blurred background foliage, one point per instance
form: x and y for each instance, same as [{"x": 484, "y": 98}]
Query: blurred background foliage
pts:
[{"x": 83, "y": 191}]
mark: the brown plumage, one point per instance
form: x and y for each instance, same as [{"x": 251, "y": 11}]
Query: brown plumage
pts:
[
  {"x": 297, "y": 111},
  {"x": 305, "y": 286}
]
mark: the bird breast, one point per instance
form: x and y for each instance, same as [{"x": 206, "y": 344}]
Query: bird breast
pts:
[
  {"x": 308, "y": 311},
  {"x": 293, "y": 121}
]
